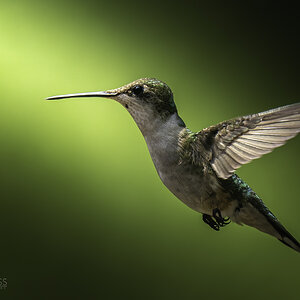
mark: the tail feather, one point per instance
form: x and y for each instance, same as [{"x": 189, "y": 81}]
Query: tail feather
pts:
[
  {"x": 251, "y": 211},
  {"x": 285, "y": 237},
  {"x": 265, "y": 221},
  {"x": 294, "y": 245}
]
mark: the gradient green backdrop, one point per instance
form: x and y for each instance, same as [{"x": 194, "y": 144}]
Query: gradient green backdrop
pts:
[{"x": 83, "y": 213}]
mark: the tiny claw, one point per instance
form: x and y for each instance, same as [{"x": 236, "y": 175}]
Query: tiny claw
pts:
[
  {"x": 226, "y": 220},
  {"x": 211, "y": 222},
  {"x": 219, "y": 219}
]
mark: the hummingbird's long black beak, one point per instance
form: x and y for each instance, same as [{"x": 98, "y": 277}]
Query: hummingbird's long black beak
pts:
[{"x": 91, "y": 94}]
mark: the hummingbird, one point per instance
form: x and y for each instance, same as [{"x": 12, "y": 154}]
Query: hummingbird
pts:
[{"x": 199, "y": 167}]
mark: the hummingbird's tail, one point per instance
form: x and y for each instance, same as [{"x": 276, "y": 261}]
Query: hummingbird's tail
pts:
[
  {"x": 254, "y": 213},
  {"x": 251, "y": 211}
]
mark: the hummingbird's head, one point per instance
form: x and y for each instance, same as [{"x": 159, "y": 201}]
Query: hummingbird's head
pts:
[
  {"x": 148, "y": 94},
  {"x": 146, "y": 99}
]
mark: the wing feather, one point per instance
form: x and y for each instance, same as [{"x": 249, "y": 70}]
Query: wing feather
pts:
[{"x": 239, "y": 141}]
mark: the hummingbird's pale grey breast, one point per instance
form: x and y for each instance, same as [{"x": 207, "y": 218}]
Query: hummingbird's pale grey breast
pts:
[{"x": 198, "y": 167}]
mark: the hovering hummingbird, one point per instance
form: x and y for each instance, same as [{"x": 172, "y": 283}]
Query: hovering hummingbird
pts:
[{"x": 198, "y": 167}]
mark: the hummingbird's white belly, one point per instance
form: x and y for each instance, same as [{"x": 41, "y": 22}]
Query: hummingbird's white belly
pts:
[
  {"x": 187, "y": 186},
  {"x": 185, "y": 180},
  {"x": 200, "y": 193}
]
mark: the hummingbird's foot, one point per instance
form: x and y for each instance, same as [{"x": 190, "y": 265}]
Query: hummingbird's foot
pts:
[
  {"x": 211, "y": 222},
  {"x": 216, "y": 220},
  {"x": 219, "y": 219}
]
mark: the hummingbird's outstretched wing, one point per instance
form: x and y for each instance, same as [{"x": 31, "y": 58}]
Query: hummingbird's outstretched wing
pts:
[{"x": 239, "y": 141}]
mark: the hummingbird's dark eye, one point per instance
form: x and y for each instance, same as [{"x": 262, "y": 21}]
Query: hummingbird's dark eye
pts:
[{"x": 138, "y": 90}]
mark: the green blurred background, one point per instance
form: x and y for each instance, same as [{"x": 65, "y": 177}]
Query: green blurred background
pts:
[{"x": 83, "y": 212}]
